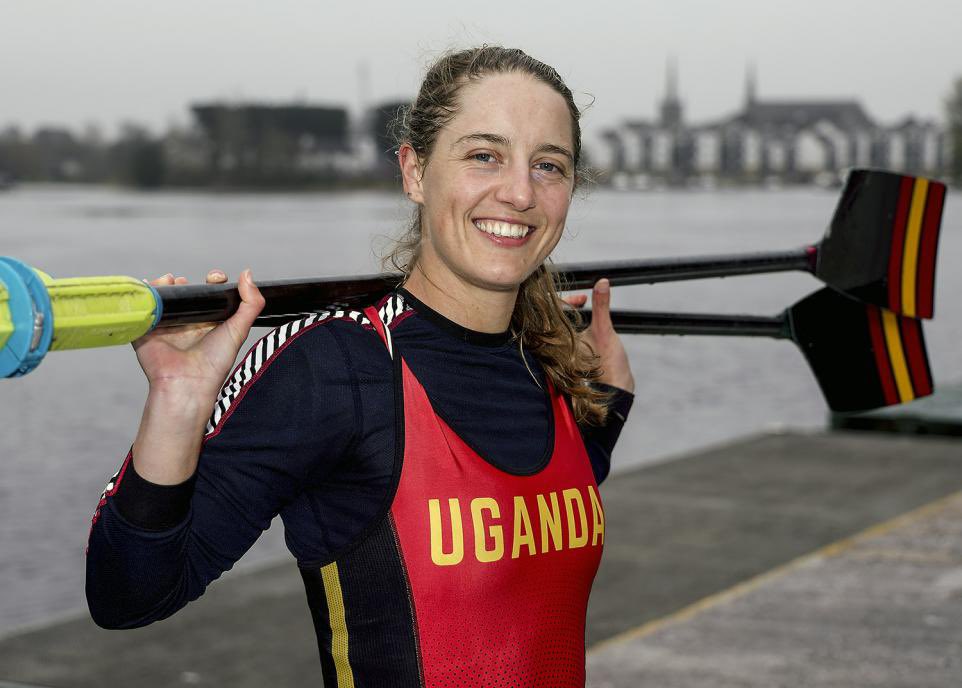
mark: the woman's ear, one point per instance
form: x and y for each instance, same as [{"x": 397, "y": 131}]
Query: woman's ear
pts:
[{"x": 411, "y": 172}]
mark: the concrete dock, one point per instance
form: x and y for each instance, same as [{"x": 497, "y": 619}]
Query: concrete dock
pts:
[{"x": 825, "y": 559}]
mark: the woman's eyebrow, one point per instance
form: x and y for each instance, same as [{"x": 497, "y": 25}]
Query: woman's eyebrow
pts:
[
  {"x": 557, "y": 150},
  {"x": 495, "y": 139},
  {"x": 498, "y": 140}
]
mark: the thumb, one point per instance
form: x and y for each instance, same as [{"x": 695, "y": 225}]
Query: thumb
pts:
[
  {"x": 252, "y": 303},
  {"x": 601, "y": 305}
]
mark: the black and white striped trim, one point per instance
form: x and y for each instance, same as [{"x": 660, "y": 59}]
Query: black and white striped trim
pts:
[
  {"x": 392, "y": 308},
  {"x": 262, "y": 352},
  {"x": 111, "y": 484}
]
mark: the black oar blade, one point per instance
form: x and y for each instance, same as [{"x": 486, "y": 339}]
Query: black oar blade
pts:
[
  {"x": 863, "y": 356},
  {"x": 882, "y": 242}
]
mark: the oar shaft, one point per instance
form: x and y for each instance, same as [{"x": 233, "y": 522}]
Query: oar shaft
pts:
[
  {"x": 653, "y": 270},
  {"x": 215, "y": 303},
  {"x": 194, "y": 303},
  {"x": 643, "y": 322},
  {"x": 647, "y": 322}
]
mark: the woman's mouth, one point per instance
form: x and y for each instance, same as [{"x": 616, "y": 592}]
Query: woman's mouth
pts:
[{"x": 507, "y": 230}]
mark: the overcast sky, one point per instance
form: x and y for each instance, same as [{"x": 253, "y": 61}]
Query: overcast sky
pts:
[{"x": 102, "y": 61}]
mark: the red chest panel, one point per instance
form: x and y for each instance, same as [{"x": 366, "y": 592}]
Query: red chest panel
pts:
[{"x": 500, "y": 565}]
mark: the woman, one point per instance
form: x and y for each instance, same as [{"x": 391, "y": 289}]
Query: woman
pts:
[{"x": 435, "y": 458}]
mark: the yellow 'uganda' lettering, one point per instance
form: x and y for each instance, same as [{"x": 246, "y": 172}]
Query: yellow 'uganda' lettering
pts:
[
  {"x": 489, "y": 531},
  {"x": 572, "y": 498},
  {"x": 597, "y": 517},
  {"x": 523, "y": 533},
  {"x": 550, "y": 522},
  {"x": 438, "y": 555},
  {"x": 481, "y": 551}
]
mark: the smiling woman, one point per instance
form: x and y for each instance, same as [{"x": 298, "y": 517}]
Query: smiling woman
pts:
[
  {"x": 493, "y": 141},
  {"x": 369, "y": 431}
]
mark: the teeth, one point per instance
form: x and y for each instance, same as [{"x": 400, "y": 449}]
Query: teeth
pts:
[{"x": 505, "y": 229}]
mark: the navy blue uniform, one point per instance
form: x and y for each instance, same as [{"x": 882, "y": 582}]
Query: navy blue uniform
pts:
[{"x": 305, "y": 428}]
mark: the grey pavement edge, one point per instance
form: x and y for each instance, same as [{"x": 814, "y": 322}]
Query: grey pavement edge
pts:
[{"x": 676, "y": 532}]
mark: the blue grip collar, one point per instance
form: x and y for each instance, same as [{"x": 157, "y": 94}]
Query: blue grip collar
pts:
[{"x": 32, "y": 318}]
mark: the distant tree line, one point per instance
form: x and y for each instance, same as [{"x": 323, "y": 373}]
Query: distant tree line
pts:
[
  {"x": 55, "y": 154},
  {"x": 251, "y": 146}
]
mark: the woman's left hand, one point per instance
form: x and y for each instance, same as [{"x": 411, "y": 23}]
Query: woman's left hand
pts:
[{"x": 601, "y": 335}]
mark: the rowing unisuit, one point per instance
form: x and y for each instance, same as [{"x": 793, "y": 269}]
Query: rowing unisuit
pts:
[{"x": 494, "y": 595}]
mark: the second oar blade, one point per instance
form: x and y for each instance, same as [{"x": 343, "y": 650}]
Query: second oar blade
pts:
[
  {"x": 881, "y": 244},
  {"x": 863, "y": 356}
]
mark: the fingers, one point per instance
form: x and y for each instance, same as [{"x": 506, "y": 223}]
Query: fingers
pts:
[
  {"x": 216, "y": 276},
  {"x": 576, "y": 300},
  {"x": 163, "y": 280},
  {"x": 167, "y": 280}
]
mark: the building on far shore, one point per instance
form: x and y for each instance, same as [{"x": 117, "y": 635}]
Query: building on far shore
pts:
[
  {"x": 274, "y": 144},
  {"x": 767, "y": 141},
  {"x": 284, "y": 145},
  {"x": 380, "y": 126}
]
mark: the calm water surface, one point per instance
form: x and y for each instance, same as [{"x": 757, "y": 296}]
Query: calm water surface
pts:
[{"x": 67, "y": 426}]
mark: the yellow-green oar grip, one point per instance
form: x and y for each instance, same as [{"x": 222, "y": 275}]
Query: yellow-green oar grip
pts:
[
  {"x": 100, "y": 311},
  {"x": 6, "y": 322}
]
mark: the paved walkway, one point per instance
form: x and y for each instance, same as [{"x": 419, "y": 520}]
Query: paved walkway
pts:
[
  {"x": 678, "y": 533},
  {"x": 881, "y": 609}
]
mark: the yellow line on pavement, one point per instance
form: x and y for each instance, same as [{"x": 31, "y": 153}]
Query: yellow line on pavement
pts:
[{"x": 743, "y": 588}]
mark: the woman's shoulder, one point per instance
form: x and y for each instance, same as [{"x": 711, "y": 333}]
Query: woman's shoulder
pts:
[
  {"x": 319, "y": 335},
  {"x": 325, "y": 340},
  {"x": 306, "y": 353}
]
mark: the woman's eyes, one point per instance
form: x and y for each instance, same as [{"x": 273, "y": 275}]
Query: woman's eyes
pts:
[
  {"x": 549, "y": 167},
  {"x": 543, "y": 166}
]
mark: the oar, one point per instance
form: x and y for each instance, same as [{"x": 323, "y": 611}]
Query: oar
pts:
[
  {"x": 863, "y": 356},
  {"x": 880, "y": 247}
]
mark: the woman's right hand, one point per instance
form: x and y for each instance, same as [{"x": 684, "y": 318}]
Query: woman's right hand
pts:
[{"x": 197, "y": 358}]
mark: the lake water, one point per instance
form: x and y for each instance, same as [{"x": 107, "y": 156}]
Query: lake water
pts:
[{"x": 67, "y": 425}]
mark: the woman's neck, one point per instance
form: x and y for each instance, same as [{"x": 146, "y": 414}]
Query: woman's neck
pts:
[{"x": 474, "y": 308}]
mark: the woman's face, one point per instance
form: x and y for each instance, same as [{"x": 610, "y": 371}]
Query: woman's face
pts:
[{"x": 496, "y": 189}]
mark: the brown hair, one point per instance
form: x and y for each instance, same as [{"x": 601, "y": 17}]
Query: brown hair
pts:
[{"x": 539, "y": 320}]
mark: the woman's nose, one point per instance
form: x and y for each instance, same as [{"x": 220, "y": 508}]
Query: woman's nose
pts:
[{"x": 516, "y": 188}]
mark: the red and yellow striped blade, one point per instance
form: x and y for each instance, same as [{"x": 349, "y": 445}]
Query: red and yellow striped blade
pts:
[
  {"x": 911, "y": 269},
  {"x": 863, "y": 356},
  {"x": 900, "y": 356},
  {"x": 881, "y": 245}
]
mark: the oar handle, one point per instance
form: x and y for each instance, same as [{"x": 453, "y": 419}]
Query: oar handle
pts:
[{"x": 39, "y": 314}]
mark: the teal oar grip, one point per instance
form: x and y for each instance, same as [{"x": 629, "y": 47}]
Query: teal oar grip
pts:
[{"x": 30, "y": 317}]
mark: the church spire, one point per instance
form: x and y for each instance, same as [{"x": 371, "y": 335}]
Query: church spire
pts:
[
  {"x": 671, "y": 79},
  {"x": 751, "y": 85},
  {"x": 671, "y": 110}
]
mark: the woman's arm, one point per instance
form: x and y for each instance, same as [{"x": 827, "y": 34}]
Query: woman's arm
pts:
[
  {"x": 600, "y": 439},
  {"x": 280, "y": 422}
]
